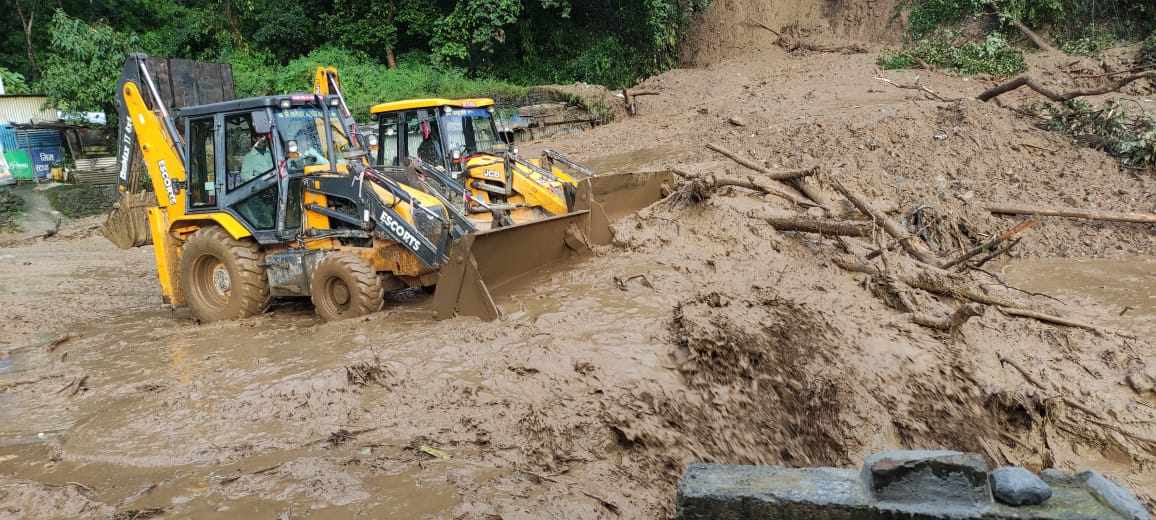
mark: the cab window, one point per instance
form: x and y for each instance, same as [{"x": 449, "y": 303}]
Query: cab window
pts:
[
  {"x": 248, "y": 155},
  {"x": 202, "y": 164},
  {"x": 422, "y": 137},
  {"x": 388, "y": 142}
]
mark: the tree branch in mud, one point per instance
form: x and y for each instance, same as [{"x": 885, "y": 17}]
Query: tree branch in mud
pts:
[
  {"x": 990, "y": 245},
  {"x": 1024, "y": 313},
  {"x": 778, "y": 175},
  {"x": 700, "y": 187},
  {"x": 892, "y": 228},
  {"x": 916, "y": 86},
  {"x": 821, "y": 226},
  {"x": 1087, "y": 214},
  {"x": 932, "y": 282},
  {"x": 1060, "y": 97},
  {"x": 1035, "y": 38},
  {"x": 953, "y": 322},
  {"x": 790, "y": 43}
]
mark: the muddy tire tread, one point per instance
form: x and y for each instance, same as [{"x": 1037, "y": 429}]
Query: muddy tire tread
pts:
[
  {"x": 364, "y": 285},
  {"x": 250, "y": 273}
]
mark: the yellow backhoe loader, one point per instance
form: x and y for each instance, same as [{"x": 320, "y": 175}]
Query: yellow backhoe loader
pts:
[{"x": 275, "y": 196}]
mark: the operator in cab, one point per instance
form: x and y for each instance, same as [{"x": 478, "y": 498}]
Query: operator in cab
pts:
[{"x": 258, "y": 161}]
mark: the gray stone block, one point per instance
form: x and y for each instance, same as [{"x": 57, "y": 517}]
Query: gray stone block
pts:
[
  {"x": 1016, "y": 486},
  {"x": 1113, "y": 495},
  {"x": 910, "y": 476},
  {"x": 726, "y": 492},
  {"x": 1055, "y": 477}
]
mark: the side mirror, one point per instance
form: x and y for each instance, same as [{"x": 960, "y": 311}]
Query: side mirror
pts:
[
  {"x": 261, "y": 122},
  {"x": 507, "y": 136}
]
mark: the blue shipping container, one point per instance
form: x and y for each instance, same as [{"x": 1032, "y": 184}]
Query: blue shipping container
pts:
[{"x": 44, "y": 158}]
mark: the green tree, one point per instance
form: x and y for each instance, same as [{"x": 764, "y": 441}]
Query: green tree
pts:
[
  {"x": 81, "y": 72},
  {"x": 13, "y": 82}
]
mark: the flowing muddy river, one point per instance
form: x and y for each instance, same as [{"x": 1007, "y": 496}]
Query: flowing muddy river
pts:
[{"x": 1117, "y": 293}]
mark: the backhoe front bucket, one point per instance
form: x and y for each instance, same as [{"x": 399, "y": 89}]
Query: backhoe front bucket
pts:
[{"x": 484, "y": 263}]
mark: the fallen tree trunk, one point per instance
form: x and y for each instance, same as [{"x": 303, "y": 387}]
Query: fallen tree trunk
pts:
[
  {"x": 1052, "y": 319},
  {"x": 1035, "y": 38},
  {"x": 892, "y": 228},
  {"x": 778, "y": 175},
  {"x": 990, "y": 245},
  {"x": 711, "y": 182},
  {"x": 1088, "y": 214},
  {"x": 931, "y": 282},
  {"x": 820, "y": 225},
  {"x": 1060, "y": 97}
]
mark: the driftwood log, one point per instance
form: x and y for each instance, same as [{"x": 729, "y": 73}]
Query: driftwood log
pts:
[
  {"x": 1060, "y": 97},
  {"x": 1088, "y": 214},
  {"x": 778, "y": 175},
  {"x": 711, "y": 182},
  {"x": 822, "y": 226}
]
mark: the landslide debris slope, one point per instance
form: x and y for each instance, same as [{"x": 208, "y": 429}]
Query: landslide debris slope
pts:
[{"x": 702, "y": 334}]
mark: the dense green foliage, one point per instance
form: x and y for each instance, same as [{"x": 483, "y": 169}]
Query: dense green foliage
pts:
[
  {"x": 13, "y": 82},
  {"x": 72, "y": 49},
  {"x": 1076, "y": 25},
  {"x": 993, "y": 56},
  {"x": 1147, "y": 55},
  {"x": 1129, "y": 136}
]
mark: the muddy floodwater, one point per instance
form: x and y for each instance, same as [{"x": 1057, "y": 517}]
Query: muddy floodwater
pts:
[{"x": 1118, "y": 292}]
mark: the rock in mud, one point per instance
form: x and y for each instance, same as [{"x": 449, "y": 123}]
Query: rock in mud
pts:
[
  {"x": 1016, "y": 486},
  {"x": 737, "y": 121},
  {"x": 1113, "y": 495},
  {"x": 1141, "y": 383},
  {"x": 913, "y": 475}
]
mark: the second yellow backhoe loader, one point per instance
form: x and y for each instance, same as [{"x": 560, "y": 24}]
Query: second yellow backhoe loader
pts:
[{"x": 274, "y": 196}]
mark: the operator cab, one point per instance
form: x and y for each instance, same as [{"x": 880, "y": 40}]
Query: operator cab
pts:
[
  {"x": 444, "y": 133},
  {"x": 248, "y": 157}
]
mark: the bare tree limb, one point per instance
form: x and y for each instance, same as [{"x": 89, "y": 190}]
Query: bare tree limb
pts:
[
  {"x": 1087, "y": 214},
  {"x": 990, "y": 245},
  {"x": 778, "y": 175},
  {"x": 1035, "y": 38},
  {"x": 820, "y": 225},
  {"x": 1060, "y": 97},
  {"x": 1024, "y": 313}
]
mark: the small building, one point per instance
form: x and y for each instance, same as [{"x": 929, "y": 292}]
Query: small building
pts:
[{"x": 28, "y": 152}]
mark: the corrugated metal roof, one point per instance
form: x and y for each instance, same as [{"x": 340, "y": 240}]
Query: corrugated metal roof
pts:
[
  {"x": 25, "y": 109},
  {"x": 24, "y": 139}
]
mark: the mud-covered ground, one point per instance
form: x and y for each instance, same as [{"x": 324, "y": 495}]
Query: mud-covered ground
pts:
[{"x": 702, "y": 335}]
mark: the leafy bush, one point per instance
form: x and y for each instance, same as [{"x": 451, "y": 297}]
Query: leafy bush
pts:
[
  {"x": 13, "y": 82},
  {"x": 1131, "y": 138},
  {"x": 1147, "y": 55},
  {"x": 993, "y": 56},
  {"x": 366, "y": 82}
]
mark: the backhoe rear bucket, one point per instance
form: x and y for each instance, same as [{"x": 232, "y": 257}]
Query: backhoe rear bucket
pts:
[{"x": 483, "y": 263}]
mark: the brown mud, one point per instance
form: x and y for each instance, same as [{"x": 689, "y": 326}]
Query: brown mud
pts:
[{"x": 701, "y": 335}]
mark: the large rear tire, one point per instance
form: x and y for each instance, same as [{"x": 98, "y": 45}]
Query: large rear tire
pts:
[
  {"x": 222, "y": 278},
  {"x": 345, "y": 286}
]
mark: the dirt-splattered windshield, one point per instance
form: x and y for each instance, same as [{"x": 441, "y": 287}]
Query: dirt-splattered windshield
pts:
[{"x": 304, "y": 139}]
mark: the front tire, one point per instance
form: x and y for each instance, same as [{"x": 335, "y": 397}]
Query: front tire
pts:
[
  {"x": 222, "y": 278},
  {"x": 345, "y": 286}
]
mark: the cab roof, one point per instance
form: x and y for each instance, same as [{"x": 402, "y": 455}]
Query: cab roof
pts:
[
  {"x": 235, "y": 105},
  {"x": 408, "y": 104}
]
